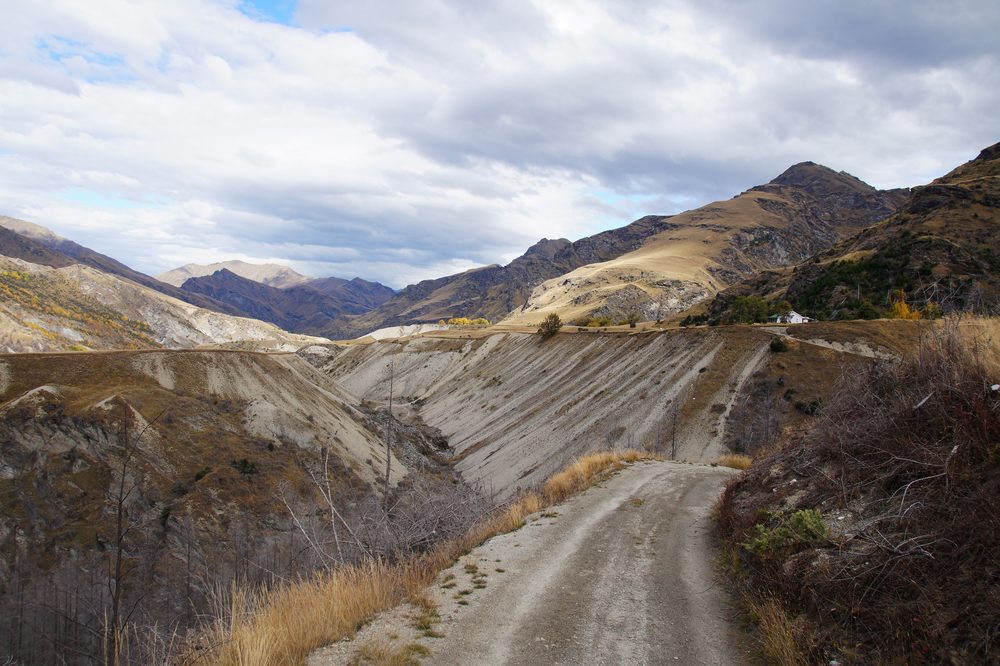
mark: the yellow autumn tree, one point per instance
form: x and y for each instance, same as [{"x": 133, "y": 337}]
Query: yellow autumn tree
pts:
[{"x": 900, "y": 309}]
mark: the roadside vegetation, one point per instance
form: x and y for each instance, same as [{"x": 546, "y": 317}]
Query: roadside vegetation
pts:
[
  {"x": 875, "y": 536},
  {"x": 282, "y": 624}
]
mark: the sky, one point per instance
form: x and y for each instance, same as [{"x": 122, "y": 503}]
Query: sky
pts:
[{"x": 401, "y": 141}]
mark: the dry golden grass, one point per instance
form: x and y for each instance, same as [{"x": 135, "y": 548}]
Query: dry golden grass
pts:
[
  {"x": 735, "y": 460},
  {"x": 777, "y": 632},
  {"x": 281, "y": 626}
]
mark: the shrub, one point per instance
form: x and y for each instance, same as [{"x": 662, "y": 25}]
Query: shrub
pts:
[
  {"x": 550, "y": 326},
  {"x": 244, "y": 466},
  {"x": 907, "y": 454},
  {"x": 779, "y": 345},
  {"x": 802, "y": 527},
  {"x": 811, "y": 408}
]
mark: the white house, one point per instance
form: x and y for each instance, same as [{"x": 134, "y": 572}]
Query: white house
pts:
[{"x": 792, "y": 317}]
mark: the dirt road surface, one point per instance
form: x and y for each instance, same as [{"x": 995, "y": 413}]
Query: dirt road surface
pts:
[{"x": 623, "y": 573}]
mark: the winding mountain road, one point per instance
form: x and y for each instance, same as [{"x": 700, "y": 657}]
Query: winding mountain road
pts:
[{"x": 623, "y": 573}]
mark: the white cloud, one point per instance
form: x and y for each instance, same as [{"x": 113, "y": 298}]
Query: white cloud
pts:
[{"x": 397, "y": 141}]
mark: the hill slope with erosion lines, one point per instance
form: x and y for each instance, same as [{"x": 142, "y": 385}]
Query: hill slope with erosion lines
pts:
[
  {"x": 804, "y": 210},
  {"x": 77, "y": 307},
  {"x": 940, "y": 246},
  {"x": 516, "y": 411},
  {"x": 225, "y": 436}
]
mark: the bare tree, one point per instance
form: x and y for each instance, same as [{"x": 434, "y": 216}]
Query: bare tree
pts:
[{"x": 123, "y": 527}]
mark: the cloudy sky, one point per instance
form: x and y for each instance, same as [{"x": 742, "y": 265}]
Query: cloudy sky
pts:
[{"x": 411, "y": 139}]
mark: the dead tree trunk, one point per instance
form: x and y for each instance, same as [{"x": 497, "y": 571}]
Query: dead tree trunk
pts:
[{"x": 388, "y": 436}]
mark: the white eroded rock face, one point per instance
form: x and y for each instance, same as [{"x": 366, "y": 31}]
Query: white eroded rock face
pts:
[{"x": 517, "y": 411}]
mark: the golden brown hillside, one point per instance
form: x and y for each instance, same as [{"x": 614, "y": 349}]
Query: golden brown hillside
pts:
[
  {"x": 939, "y": 250},
  {"x": 799, "y": 213},
  {"x": 77, "y": 307}
]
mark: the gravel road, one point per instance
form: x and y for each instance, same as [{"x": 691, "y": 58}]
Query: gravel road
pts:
[{"x": 623, "y": 574}]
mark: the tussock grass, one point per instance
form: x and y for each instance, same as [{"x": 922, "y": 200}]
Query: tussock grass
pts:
[
  {"x": 584, "y": 472},
  {"x": 280, "y": 626},
  {"x": 735, "y": 460},
  {"x": 778, "y": 636},
  {"x": 384, "y": 654}
]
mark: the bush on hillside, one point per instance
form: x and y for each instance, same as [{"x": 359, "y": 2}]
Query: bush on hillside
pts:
[
  {"x": 905, "y": 466},
  {"x": 550, "y": 326},
  {"x": 779, "y": 345}
]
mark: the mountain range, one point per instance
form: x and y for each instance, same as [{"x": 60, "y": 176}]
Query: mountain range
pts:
[
  {"x": 657, "y": 265},
  {"x": 273, "y": 275},
  {"x": 811, "y": 235}
]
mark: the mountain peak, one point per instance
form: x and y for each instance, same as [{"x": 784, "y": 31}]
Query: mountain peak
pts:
[
  {"x": 272, "y": 275},
  {"x": 818, "y": 179},
  {"x": 989, "y": 154}
]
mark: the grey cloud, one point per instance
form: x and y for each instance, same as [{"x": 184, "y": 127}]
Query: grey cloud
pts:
[
  {"x": 889, "y": 33},
  {"x": 479, "y": 127}
]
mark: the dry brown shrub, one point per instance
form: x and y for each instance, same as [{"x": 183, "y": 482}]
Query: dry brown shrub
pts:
[{"x": 909, "y": 454}]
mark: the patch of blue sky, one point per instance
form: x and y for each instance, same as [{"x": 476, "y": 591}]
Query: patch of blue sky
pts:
[
  {"x": 94, "y": 199},
  {"x": 106, "y": 66},
  {"x": 614, "y": 199},
  {"x": 273, "y": 11}
]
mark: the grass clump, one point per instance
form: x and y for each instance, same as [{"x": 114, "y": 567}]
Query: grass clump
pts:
[
  {"x": 735, "y": 460},
  {"x": 384, "y": 654}
]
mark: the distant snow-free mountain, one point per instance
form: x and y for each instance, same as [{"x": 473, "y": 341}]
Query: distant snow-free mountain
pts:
[{"x": 273, "y": 275}]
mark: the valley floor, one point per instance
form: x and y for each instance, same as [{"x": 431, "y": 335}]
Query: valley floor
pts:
[{"x": 623, "y": 573}]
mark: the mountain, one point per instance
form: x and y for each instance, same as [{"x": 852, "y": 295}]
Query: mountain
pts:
[
  {"x": 63, "y": 252},
  {"x": 654, "y": 266},
  {"x": 493, "y": 291},
  {"x": 804, "y": 210},
  {"x": 273, "y": 275},
  {"x": 305, "y": 308},
  {"x": 77, "y": 307},
  {"x": 940, "y": 247},
  {"x": 355, "y": 294}
]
